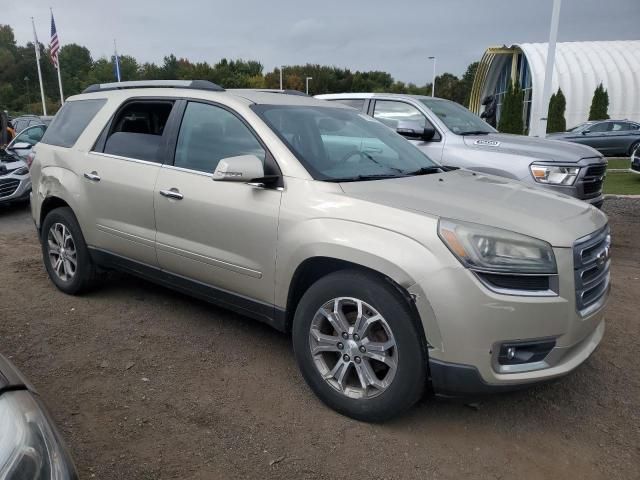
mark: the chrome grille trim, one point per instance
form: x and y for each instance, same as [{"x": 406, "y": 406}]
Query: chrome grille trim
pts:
[
  {"x": 591, "y": 270},
  {"x": 8, "y": 186}
]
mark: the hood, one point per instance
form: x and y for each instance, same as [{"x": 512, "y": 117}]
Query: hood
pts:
[
  {"x": 9, "y": 162},
  {"x": 487, "y": 200},
  {"x": 541, "y": 148}
]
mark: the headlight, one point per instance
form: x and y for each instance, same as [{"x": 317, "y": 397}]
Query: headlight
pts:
[
  {"x": 554, "y": 175},
  {"x": 495, "y": 250},
  {"x": 21, "y": 171},
  {"x": 29, "y": 448}
]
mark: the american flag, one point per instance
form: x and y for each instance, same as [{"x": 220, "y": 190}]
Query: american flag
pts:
[{"x": 54, "y": 44}]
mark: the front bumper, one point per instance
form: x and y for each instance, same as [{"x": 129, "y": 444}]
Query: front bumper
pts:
[
  {"x": 15, "y": 188},
  {"x": 466, "y": 323}
]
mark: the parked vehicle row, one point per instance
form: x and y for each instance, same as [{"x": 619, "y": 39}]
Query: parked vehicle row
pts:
[
  {"x": 390, "y": 271},
  {"x": 452, "y": 135}
]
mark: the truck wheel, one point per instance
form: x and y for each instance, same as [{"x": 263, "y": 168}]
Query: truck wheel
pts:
[
  {"x": 358, "y": 347},
  {"x": 65, "y": 252}
]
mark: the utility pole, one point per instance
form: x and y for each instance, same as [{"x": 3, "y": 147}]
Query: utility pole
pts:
[
  {"x": 306, "y": 81},
  {"x": 541, "y": 130},
  {"x": 26, "y": 80},
  {"x": 281, "y": 78},
  {"x": 433, "y": 81}
]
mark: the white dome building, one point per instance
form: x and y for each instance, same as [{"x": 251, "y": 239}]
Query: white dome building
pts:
[{"x": 579, "y": 68}]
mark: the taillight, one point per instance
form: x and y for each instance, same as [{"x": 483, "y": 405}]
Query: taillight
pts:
[{"x": 29, "y": 160}]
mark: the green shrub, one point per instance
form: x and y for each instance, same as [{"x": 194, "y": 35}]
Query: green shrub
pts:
[
  {"x": 557, "y": 105},
  {"x": 511, "y": 120}
]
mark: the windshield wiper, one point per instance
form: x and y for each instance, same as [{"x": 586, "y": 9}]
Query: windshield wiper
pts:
[
  {"x": 426, "y": 171},
  {"x": 475, "y": 132},
  {"x": 357, "y": 178}
]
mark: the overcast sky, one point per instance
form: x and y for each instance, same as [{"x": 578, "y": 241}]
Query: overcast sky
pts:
[{"x": 362, "y": 35}]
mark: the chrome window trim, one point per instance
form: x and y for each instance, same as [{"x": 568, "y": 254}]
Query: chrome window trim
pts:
[{"x": 128, "y": 159}]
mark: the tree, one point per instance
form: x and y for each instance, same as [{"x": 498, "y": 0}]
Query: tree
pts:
[
  {"x": 511, "y": 113},
  {"x": 599, "y": 104},
  {"x": 557, "y": 105}
]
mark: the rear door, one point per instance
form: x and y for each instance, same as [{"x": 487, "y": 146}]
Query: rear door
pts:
[
  {"x": 221, "y": 234},
  {"x": 119, "y": 177}
]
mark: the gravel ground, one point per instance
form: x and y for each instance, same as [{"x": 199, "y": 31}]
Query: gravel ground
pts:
[{"x": 147, "y": 383}]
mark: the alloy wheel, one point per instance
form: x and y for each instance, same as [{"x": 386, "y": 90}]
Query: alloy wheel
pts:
[
  {"x": 62, "y": 251},
  {"x": 353, "y": 348}
]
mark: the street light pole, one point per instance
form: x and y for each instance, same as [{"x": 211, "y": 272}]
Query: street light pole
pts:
[
  {"x": 433, "y": 81},
  {"x": 548, "y": 72},
  {"x": 306, "y": 81},
  {"x": 281, "y": 78},
  {"x": 26, "y": 79}
]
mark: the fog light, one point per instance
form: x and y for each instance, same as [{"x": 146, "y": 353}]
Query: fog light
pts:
[{"x": 529, "y": 352}]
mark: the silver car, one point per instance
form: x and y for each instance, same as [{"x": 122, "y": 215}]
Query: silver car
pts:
[
  {"x": 452, "y": 135},
  {"x": 15, "y": 181},
  {"x": 389, "y": 272}
]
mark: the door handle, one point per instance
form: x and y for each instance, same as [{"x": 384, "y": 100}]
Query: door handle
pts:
[
  {"x": 93, "y": 176},
  {"x": 172, "y": 193}
]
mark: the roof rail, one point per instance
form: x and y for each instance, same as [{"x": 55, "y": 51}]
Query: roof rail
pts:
[
  {"x": 189, "y": 84},
  {"x": 271, "y": 90}
]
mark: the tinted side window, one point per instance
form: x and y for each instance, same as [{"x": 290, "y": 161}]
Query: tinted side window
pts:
[
  {"x": 599, "y": 127},
  {"x": 357, "y": 103},
  {"x": 391, "y": 112},
  {"x": 209, "y": 134},
  {"x": 70, "y": 122},
  {"x": 136, "y": 130}
]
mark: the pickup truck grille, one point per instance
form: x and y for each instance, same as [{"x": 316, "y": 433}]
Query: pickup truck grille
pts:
[
  {"x": 593, "y": 179},
  {"x": 8, "y": 186},
  {"x": 591, "y": 265}
]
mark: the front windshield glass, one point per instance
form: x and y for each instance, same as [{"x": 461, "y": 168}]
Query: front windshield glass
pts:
[
  {"x": 339, "y": 144},
  {"x": 457, "y": 118}
]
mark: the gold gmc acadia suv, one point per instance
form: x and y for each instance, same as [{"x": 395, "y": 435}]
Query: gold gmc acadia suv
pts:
[{"x": 390, "y": 271}]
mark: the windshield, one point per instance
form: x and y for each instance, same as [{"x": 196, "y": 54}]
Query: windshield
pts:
[
  {"x": 457, "y": 118},
  {"x": 339, "y": 144}
]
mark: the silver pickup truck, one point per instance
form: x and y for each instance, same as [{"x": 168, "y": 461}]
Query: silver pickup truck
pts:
[{"x": 452, "y": 135}]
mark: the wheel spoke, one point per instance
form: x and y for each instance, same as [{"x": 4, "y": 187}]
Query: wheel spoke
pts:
[
  {"x": 336, "y": 319},
  {"x": 364, "y": 325},
  {"x": 367, "y": 376},
  {"x": 57, "y": 238},
  {"x": 324, "y": 343},
  {"x": 53, "y": 247},
  {"x": 68, "y": 268},
  {"x": 338, "y": 373},
  {"x": 380, "y": 351}
]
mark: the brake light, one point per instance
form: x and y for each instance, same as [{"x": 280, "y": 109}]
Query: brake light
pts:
[{"x": 29, "y": 159}]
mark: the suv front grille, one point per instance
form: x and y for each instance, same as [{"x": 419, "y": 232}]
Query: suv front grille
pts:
[
  {"x": 591, "y": 263},
  {"x": 8, "y": 186},
  {"x": 593, "y": 179}
]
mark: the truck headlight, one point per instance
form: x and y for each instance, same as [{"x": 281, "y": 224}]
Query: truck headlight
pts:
[
  {"x": 554, "y": 175},
  {"x": 29, "y": 447},
  {"x": 490, "y": 249}
]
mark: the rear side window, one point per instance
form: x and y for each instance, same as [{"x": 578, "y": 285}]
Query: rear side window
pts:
[
  {"x": 70, "y": 122},
  {"x": 137, "y": 129}
]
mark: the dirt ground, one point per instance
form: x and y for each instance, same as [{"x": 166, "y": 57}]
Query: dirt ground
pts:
[{"x": 146, "y": 383}]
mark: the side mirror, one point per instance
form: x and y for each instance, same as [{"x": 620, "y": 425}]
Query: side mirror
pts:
[
  {"x": 243, "y": 168},
  {"x": 415, "y": 130},
  {"x": 584, "y": 132},
  {"x": 21, "y": 146}
]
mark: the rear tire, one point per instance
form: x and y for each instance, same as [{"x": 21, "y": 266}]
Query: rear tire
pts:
[
  {"x": 633, "y": 148},
  {"x": 65, "y": 253},
  {"x": 375, "y": 384}
]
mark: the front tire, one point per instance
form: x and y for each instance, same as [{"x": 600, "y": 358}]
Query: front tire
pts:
[
  {"x": 358, "y": 346},
  {"x": 65, "y": 253}
]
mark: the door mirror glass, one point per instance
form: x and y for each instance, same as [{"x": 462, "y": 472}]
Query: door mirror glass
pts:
[{"x": 242, "y": 168}]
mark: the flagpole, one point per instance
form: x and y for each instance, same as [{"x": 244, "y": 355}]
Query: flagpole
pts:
[
  {"x": 117, "y": 59},
  {"x": 58, "y": 67},
  {"x": 37, "y": 47}
]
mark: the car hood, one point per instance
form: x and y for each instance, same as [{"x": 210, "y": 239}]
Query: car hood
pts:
[
  {"x": 487, "y": 200},
  {"x": 9, "y": 162},
  {"x": 544, "y": 149}
]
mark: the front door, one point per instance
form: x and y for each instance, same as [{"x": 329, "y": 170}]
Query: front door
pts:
[
  {"x": 390, "y": 112},
  {"x": 221, "y": 234}
]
